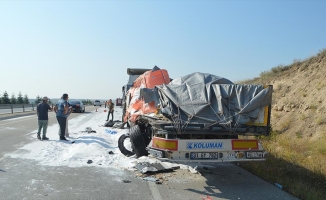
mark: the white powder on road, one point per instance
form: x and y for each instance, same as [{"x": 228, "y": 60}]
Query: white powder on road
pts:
[{"x": 87, "y": 146}]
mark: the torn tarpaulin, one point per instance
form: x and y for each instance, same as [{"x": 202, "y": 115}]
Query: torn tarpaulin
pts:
[
  {"x": 88, "y": 130},
  {"x": 111, "y": 123},
  {"x": 145, "y": 167},
  {"x": 115, "y": 124}
]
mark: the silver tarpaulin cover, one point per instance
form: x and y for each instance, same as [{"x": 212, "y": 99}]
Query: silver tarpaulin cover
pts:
[{"x": 206, "y": 98}]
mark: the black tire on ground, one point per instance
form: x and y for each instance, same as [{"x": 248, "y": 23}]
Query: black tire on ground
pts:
[
  {"x": 84, "y": 109},
  {"x": 121, "y": 146},
  {"x": 138, "y": 142}
]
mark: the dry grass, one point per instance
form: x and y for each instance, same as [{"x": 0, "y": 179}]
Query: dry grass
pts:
[
  {"x": 298, "y": 165},
  {"x": 321, "y": 120},
  {"x": 297, "y": 144}
]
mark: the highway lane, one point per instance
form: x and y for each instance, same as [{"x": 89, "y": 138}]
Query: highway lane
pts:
[{"x": 26, "y": 179}]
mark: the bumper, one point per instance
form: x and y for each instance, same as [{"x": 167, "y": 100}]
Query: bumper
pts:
[
  {"x": 219, "y": 150},
  {"x": 76, "y": 109}
]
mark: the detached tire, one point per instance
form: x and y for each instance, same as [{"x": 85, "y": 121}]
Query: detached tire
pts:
[
  {"x": 122, "y": 147},
  {"x": 138, "y": 141}
]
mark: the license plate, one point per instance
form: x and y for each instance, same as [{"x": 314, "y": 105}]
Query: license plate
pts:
[
  {"x": 231, "y": 155},
  {"x": 205, "y": 155},
  {"x": 254, "y": 154}
]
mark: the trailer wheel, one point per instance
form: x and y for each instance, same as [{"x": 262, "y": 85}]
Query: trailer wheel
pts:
[
  {"x": 122, "y": 147},
  {"x": 138, "y": 141}
]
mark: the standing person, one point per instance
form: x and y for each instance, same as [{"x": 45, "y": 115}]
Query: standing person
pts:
[
  {"x": 43, "y": 118},
  {"x": 66, "y": 131},
  {"x": 62, "y": 110},
  {"x": 111, "y": 109}
]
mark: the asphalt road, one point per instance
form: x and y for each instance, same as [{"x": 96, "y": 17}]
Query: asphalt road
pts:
[{"x": 26, "y": 179}]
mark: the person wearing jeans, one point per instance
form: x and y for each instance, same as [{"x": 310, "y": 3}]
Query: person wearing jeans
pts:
[
  {"x": 43, "y": 118},
  {"x": 66, "y": 131},
  {"x": 62, "y": 112}
]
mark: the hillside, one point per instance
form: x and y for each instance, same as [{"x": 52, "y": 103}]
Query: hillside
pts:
[{"x": 297, "y": 144}]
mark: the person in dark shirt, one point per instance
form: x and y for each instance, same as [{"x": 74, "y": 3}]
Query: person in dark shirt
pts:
[{"x": 43, "y": 118}]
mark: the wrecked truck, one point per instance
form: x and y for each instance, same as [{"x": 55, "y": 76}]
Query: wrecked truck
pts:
[{"x": 199, "y": 117}]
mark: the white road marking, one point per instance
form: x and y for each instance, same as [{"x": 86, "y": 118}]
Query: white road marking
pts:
[
  {"x": 155, "y": 193},
  {"x": 20, "y": 119}
]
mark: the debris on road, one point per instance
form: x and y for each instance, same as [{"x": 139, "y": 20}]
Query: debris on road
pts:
[
  {"x": 278, "y": 185},
  {"x": 115, "y": 124},
  {"x": 149, "y": 178},
  {"x": 119, "y": 125},
  {"x": 88, "y": 130},
  {"x": 205, "y": 169},
  {"x": 207, "y": 198},
  {"x": 193, "y": 170},
  {"x": 112, "y": 132},
  {"x": 111, "y": 123},
  {"x": 146, "y": 167}
]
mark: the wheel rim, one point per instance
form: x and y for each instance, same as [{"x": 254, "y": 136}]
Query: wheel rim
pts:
[{"x": 127, "y": 144}]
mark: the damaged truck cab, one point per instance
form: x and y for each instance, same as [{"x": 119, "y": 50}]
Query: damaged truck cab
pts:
[{"x": 199, "y": 117}]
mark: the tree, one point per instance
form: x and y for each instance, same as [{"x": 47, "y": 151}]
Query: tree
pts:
[
  {"x": 26, "y": 100},
  {"x": 38, "y": 99},
  {"x": 20, "y": 99},
  {"x": 13, "y": 99},
  {"x": 86, "y": 101},
  {"x": 0, "y": 98},
  {"x": 5, "y": 98}
]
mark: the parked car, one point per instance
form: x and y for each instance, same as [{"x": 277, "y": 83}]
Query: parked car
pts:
[
  {"x": 77, "y": 106},
  {"x": 97, "y": 103}
]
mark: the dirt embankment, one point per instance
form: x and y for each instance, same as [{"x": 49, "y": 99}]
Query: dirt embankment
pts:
[{"x": 297, "y": 145}]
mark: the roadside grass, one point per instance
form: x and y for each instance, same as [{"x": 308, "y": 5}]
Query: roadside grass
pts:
[
  {"x": 297, "y": 145},
  {"x": 298, "y": 164}
]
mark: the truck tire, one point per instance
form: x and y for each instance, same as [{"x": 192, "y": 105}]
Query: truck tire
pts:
[
  {"x": 138, "y": 141},
  {"x": 122, "y": 147}
]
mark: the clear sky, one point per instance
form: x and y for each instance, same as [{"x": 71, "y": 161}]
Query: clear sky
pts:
[{"x": 84, "y": 48}]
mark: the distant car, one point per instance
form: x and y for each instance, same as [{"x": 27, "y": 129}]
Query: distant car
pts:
[
  {"x": 77, "y": 106},
  {"x": 97, "y": 103}
]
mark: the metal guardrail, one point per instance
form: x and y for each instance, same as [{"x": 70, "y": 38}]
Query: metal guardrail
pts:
[{"x": 16, "y": 108}]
